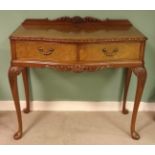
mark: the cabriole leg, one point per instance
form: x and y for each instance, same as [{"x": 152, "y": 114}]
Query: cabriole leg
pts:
[
  {"x": 141, "y": 74},
  {"x": 127, "y": 81},
  {"x": 26, "y": 87},
  {"x": 12, "y": 74}
]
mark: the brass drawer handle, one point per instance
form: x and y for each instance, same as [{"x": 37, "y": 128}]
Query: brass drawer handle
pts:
[
  {"x": 110, "y": 53},
  {"x": 48, "y": 52}
]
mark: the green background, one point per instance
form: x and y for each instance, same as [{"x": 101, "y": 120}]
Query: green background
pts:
[{"x": 105, "y": 85}]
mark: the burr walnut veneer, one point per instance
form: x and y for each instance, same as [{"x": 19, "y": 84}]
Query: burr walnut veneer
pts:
[{"x": 77, "y": 44}]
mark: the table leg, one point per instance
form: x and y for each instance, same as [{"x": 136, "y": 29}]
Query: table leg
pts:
[
  {"x": 12, "y": 74},
  {"x": 26, "y": 87},
  {"x": 141, "y": 74},
  {"x": 127, "y": 81}
]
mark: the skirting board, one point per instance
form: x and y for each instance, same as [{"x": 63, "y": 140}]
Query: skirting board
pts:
[{"x": 76, "y": 106}]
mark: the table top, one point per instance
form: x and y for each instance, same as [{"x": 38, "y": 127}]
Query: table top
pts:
[{"x": 77, "y": 29}]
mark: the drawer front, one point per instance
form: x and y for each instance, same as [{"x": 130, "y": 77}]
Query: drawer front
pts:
[
  {"x": 45, "y": 51},
  {"x": 110, "y": 52}
]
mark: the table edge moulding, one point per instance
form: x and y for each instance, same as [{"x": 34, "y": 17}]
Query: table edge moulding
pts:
[{"x": 77, "y": 44}]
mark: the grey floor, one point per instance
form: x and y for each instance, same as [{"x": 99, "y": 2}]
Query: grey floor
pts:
[{"x": 77, "y": 128}]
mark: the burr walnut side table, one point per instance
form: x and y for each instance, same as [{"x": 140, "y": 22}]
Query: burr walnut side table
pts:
[{"x": 77, "y": 44}]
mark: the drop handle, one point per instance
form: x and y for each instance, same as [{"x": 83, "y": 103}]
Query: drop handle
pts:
[
  {"x": 110, "y": 52},
  {"x": 46, "y": 52}
]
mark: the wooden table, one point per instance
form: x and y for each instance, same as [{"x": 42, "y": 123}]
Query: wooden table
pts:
[{"x": 77, "y": 44}]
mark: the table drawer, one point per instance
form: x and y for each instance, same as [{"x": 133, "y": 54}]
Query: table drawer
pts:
[
  {"x": 110, "y": 52},
  {"x": 45, "y": 51}
]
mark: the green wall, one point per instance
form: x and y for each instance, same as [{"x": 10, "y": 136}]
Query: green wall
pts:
[{"x": 105, "y": 85}]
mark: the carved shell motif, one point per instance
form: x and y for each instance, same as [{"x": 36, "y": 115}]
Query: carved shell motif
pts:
[{"x": 77, "y": 19}]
